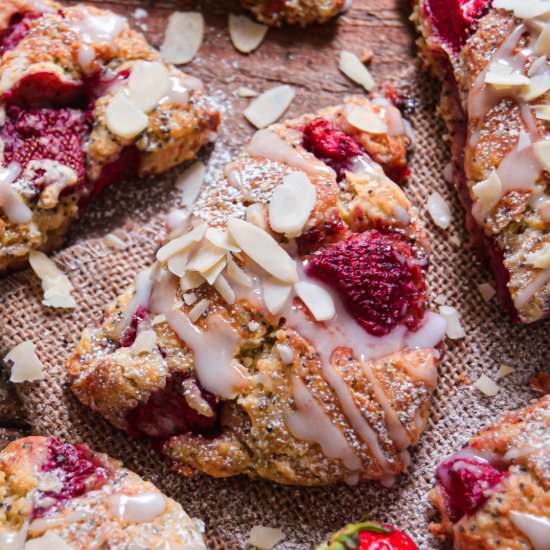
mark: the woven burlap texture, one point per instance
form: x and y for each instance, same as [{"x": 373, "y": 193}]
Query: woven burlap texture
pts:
[{"x": 230, "y": 507}]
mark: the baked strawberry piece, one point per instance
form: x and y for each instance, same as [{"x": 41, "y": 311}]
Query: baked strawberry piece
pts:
[
  {"x": 495, "y": 493},
  {"x": 300, "y": 12},
  {"x": 283, "y": 331},
  {"x": 490, "y": 58},
  {"x": 78, "y": 114},
  {"x": 369, "y": 535},
  {"x": 62, "y": 496}
]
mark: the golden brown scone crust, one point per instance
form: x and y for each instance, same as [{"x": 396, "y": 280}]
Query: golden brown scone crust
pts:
[
  {"x": 516, "y": 226},
  {"x": 521, "y": 440},
  {"x": 30, "y": 507},
  {"x": 253, "y": 436},
  {"x": 54, "y": 45},
  {"x": 302, "y": 12}
]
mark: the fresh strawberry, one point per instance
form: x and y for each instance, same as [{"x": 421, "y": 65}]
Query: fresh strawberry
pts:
[
  {"x": 76, "y": 467},
  {"x": 38, "y": 134},
  {"x": 378, "y": 277},
  {"x": 454, "y": 20},
  {"x": 463, "y": 481},
  {"x": 167, "y": 413},
  {"x": 369, "y": 536},
  {"x": 330, "y": 144}
]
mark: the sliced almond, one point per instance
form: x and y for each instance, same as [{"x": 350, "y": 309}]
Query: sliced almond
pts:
[
  {"x": 237, "y": 275},
  {"x": 245, "y": 91},
  {"x": 265, "y": 538},
  {"x": 542, "y": 112},
  {"x": 541, "y": 150},
  {"x": 255, "y": 214},
  {"x": 55, "y": 284},
  {"x": 149, "y": 81},
  {"x": 522, "y": 8},
  {"x": 352, "y": 67},
  {"x": 25, "y": 365},
  {"x": 317, "y": 300},
  {"x": 177, "y": 264},
  {"x": 269, "y": 106},
  {"x": 276, "y": 294},
  {"x": 455, "y": 330},
  {"x": 263, "y": 249},
  {"x": 246, "y": 34},
  {"x": 124, "y": 118},
  {"x": 205, "y": 257},
  {"x": 198, "y": 310},
  {"x": 191, "y": 280},
  {"x": 486, "y": 386},
  {"x": 220, "y": 238},
  {"x": 503, "y": 371},
  {"x": 542, "y": 45},
  {"x": 439, "y": 210},
  {"x": 214, "y": 272},
  {"x": 115, "y": 242},
  {"x": 291, "y": 204},
  {"x": 366, "y": 120},
  {"x": 539, "y": 258},
  {"x": 181, "y": 243},
  {"x": 488, "y": 193},
  {"x": 145, "y": 342},
  {"x": 224, "y": 289},
  {"x": 49, "y": 541},
  {"x": 183, "y": 37},
  {"x": 190, "y": 182},
  {"x": 538, "y": 85}
]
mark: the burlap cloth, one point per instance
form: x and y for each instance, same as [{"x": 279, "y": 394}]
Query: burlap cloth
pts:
[{"x": 231, "y": 507}]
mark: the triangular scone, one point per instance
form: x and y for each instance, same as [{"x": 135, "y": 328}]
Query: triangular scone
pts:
[
  {"x": 495, "y": 100},
  {"x": 65, "y": 497},
  {"x": 495, "y": 492},
  {"x": 283, "y": 331},
  {"x": 295, "y": 12},
  {"x": 84, "y": 102}
]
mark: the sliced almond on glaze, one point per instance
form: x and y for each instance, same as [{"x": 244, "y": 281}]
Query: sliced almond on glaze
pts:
[
  {"x": 236, "y": 274},
  {"x": 177, "y": 264},
  {"x": 291, "y": 204},
  {"x": 224, "y": 289},
  {"x": 276, "y": 294},
  {"x": 220, "y": 238},
  {"x": 262, "y": 248},
  {"x": 366, "y": 120},
  {"x": 352, "y": 67},
  {"x": 541, "y": 150},
  {"x": 124, "y": 118},
  {"x": 542, "y": 45},
  {"x": 542, "y": 112},
  {"x": 246, "y": 34},
  {"x": 149, "y": 81},
  {"x": 191, "y": 280},
  {"x": 269, "y": 106},
  {"x": 206, "y": 257},
  {"x": 539, "y": 258},
  {"x": 255, "y": 214},
  {"x": 181, "y": 243},
  {"x": 214, "y": 272},
  {"x": 183, "y": 37},
  {"x": 538, "y": 85},
  {"x": 317, "y": 300}
]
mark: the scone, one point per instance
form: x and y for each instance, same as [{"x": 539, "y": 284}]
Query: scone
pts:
[
  {"x": 283, "y": 331},
  {"x": 495, "y": 493},
  {"x": 84, "y": 103},
  {"x": 496, "y": 81},
  {"x": 55, "y": 495},
  {"x": 295, "y": 12}
]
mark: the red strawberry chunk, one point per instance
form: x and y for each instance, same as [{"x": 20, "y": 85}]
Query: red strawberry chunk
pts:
[
  {"x": 129, "y": 336},
  {"x": 77, "y": 470},
  {"x": 464, "y": 481},
  {"x": 167, "y": 413},
  {"x": 331, "y": 145},
  {"x": 392, "y": 540},
  {"x": 18, "y": 29},
  {"x": 454, "y": 20},
  {"x": 39, "y": 134},
  {"x": 378, "y": 277}
]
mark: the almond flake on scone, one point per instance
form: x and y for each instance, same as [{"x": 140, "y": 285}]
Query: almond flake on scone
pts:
[
  {"x": 491, "y": 58},
  {"x": 495, "y": 492},
  {"x": 84, "y": 102},
  {"x": 296, "y": 12},
  {"x": 63, "y": 496},
  {"x": 283, "y": 332}
]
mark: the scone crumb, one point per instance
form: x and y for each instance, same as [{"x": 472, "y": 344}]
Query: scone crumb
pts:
[
  {"x": 265, "y": 537},
  {"x": 455, "y": 330}
]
